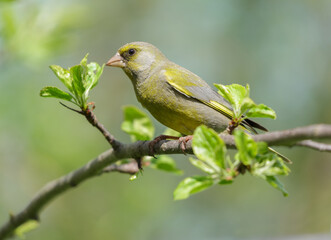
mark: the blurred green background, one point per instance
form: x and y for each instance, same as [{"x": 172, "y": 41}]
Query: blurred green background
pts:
[{"x": 281, "y": 48}]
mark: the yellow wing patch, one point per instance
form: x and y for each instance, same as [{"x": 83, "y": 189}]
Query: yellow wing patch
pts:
[
  {"x": 180, "y": 89},
  {"x": 172, "y": 75},
  {"x": 220, "y": 108},
  {"x": 174, "y": 78}
]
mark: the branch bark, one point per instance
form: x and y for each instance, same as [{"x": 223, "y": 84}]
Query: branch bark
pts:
[{"x": 301, "y": 136}]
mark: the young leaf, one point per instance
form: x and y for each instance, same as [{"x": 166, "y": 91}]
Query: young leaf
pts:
[
  {"x": 92, "y": 76},
  {"x": 133, "y": 177},
  {"x": 77, "y": 73},
  {"x": 202, "y": 165},
  {"x": 271, "y": 165},
  {"x": 137, "y": 124},
  {"x": 171, "y": 132},
  {"x": 246, "y": 104},
  {"x": 209, "y": 147},
  {"x": 26, "y": 227},
  {"x": 273, "y": 181},
  {"x": 247, "y": 148},
  {"x": 63, "y": 75},
  {"x": 261, "y": 110},
  {"x": 79, "y": 80},
  {"x": 83, "y": 62},
  {"x": 56, "y": 93},
  {"x": 165, "y": 163},
  {"x": 192, "y": 185},
  {"x": 225, "y": 181},
  {"x": 235, "y": 94}
]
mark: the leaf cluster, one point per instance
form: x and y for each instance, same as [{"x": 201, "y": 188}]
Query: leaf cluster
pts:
[
  {"x": 243, "y": 106},
  {"x": 78, "y": 80},
  {"x": 213, "y": 158}
]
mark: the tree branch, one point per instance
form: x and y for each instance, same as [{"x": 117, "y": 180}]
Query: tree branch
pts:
[
  {"x": 130, "y": 168},
  {"x": 90, "y": 116},
  {"x": 322, "y": 147},
  {"x": 289, "y": 138}
]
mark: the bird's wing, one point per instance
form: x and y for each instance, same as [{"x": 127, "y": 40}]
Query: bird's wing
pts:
[{"x": 191, "y": 85}]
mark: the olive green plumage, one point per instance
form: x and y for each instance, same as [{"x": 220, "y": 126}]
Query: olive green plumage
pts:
[{"x": 176, "y": 97}]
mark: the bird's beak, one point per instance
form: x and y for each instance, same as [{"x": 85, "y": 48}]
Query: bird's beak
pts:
[{"x": 116, "y": 61}]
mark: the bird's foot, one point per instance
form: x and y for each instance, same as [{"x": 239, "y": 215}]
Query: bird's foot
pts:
[
  {"x": 158, "y": 139},
  {"x": 183, "y": 140}
]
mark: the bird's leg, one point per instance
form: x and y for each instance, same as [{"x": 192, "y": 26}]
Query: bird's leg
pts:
[{"x": 158, "y": 139}]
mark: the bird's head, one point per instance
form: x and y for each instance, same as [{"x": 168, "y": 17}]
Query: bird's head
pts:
[{"x": 137, "y": 59}]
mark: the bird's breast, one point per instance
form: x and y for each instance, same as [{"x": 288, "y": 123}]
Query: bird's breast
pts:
[{"x": 172, "y": 108}]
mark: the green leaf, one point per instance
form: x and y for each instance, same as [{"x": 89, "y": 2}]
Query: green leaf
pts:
[
  {"x": 133, "y": 177},
  {"x": 83, "y": 62},
  {"x": 225, "y": 181},
  {"x": 56, "y": 93},
  {"x": 94, "y": 72},
  {"x": 267, "y": 168},
  {"x": 209, "y": 147},
  {"x": 246, "y": 104},
  {"x": 171, "y": 132},
  {"x": 270, "y": 165},
  {"x": 235, "y": 94},
  {"x": 63, "y": 75},
  {"x": 273, "y": 181},
  {"x": 192, "y": 185},
  {"x": 77, "y": 73},
  {"x": 26, "y": 227},
  {"x": 247, "y": 147},
  {"x": 202, "y": 165},
  {"x": 261, "y": 110},
  {"x": 137, "y": 124},
  {"x": 165, "y": 163},
  {"x": 79, "y": 80},
  {"x": 242, "y": 104}
]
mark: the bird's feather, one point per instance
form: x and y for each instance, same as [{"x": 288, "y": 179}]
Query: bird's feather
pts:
[{"x": 195, "y": 87}]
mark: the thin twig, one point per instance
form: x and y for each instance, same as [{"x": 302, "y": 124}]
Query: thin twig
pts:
[
  {"x": 72, "y": 109},
  {"x": 90, "y": 116},
  {"x": 322, "y": 147}
]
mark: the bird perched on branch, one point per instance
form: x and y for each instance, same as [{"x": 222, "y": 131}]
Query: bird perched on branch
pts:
[{"x": 176, "y": 97}]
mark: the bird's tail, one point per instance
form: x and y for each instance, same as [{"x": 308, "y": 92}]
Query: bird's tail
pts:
[{"x": 250, "y": 126}]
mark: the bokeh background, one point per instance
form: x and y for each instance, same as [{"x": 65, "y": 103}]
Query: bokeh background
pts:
[{"x": 281, "y": 48}]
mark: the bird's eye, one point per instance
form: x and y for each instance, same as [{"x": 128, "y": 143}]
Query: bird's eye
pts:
[{"x": 131, "y": 51}]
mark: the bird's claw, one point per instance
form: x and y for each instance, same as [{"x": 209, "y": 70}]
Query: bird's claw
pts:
[
  {"x": 158, "y": 139},
  {"x": 182, "y": 142}
]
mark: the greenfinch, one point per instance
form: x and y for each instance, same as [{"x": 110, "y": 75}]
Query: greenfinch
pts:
[{"x": 176, "y": 97}]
